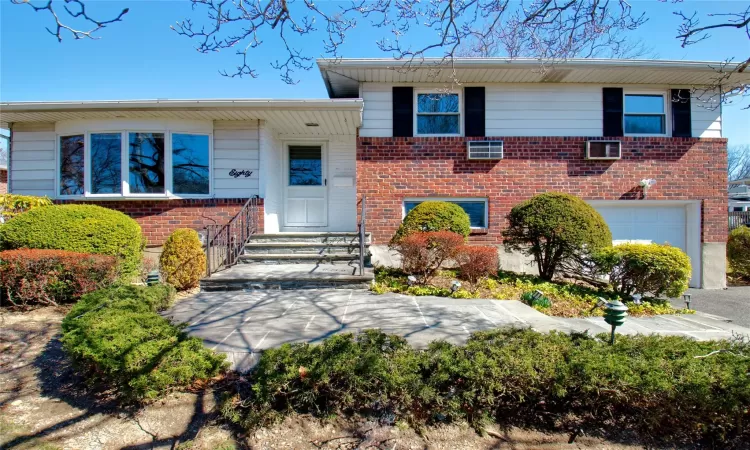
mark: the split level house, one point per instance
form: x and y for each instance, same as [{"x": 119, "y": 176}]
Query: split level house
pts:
[{"x": 485, "y": 134}]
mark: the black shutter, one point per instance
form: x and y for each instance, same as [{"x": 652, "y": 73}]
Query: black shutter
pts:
[
  {"x": 403, "y": 111},
  {"x": 681, "y": 120},
  {"x": 612, "y": 109},
  {"x": 474, "y": 111}
]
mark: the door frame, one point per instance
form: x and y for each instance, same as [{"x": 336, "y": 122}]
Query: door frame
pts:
[{"x": 285, "y": 177}]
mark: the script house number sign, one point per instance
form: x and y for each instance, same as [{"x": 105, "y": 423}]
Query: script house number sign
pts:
[{"x": 240, "y": 173}]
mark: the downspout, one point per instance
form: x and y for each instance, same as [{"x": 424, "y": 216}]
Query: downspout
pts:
[{"x": 10, "y": 157}]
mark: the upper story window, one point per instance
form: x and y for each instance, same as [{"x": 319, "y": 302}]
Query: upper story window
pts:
[
  {"x": 134, "y": 164},
  {"x": 645, "y": 114},
  {"x": 438, "y": 114}
]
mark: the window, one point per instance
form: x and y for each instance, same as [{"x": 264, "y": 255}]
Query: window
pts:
[
  {"x": 305, "y": 165},
  {"x": 645, "y": 114},
  {"x": 106, "y": 163},
  {"x": 146, "y": 163},
  {"x": 475, "y": 208},
  {"x": 438, "y": 114},
  {"x": 72, "y": 157},
  {"x": 190, "y": 164},
  {"x": 134, "y": 164}
]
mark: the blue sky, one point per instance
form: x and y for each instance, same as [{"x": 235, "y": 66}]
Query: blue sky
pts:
[{"x": 142, "y": 58}]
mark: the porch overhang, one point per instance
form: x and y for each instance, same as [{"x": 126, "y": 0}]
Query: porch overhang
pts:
[
  {"x": 322, "y": 117},
  {"x": 342, "y": 76}
]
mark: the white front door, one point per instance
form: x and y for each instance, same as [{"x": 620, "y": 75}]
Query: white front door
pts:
[{"x": 306, "y": 204}]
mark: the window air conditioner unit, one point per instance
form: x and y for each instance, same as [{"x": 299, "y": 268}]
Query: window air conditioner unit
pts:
[
  {"x": 484, "y": 149},
  {"x": 603, "y": 150}
]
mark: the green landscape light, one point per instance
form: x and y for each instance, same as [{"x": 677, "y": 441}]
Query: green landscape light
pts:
[
  {"x": 687, "y": 298},
  {"x": 152, "y": 278},
  {"x": 615, "y": 313}
]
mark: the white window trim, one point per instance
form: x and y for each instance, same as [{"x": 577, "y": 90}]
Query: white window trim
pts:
[
  {"x": 460, "y": 112},
  {"x": 667, "y": 113},
  {"x": 450, "y": 200},
  {"x": 124, "y": 166}
]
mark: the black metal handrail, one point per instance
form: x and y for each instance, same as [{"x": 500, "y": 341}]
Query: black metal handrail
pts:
[
  {"x": 225, "y": 243},
  {"x": 362, "y": 237}
]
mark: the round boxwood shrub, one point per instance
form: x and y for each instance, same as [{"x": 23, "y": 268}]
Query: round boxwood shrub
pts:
[
  {"x": 738, "y": 252},
  {"x": 182, "y": 261},
  {"x": 558, "y": 230},
  {"x": 78, "y": 228},
  {"x": 646, "y": 269},
  {"x": 434, "y": 216}
]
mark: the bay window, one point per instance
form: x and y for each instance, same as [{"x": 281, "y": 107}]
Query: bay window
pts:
[{"x": 134, "y": 164}]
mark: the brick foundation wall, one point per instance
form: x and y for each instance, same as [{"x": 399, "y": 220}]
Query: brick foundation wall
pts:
[
  {"x": 159, "y": 218},
  {"x": 3, "y": 181},
  {"x": 391, "y": 169}
]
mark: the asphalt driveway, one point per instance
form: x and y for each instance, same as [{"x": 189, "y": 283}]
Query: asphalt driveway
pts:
[
  {"x": 732, "y": 303},
  {"x": 243, "y": 324}
]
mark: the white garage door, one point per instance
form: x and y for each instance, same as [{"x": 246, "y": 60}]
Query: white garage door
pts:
[{"x": 658, "y": 224}]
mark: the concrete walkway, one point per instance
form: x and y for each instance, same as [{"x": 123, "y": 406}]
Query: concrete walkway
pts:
[{"x": 242, "y": 324}]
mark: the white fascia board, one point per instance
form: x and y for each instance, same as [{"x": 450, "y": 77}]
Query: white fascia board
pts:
[{"x": 259, "y": 104}]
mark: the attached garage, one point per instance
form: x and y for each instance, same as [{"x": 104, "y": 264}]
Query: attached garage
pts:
[{"x": 663, "y": 222}]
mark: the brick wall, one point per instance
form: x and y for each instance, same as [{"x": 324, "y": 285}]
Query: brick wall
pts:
[
  {"x": 158, "y": 218},
  {"x": 3, "y": 181},
  {"x": 391, "y": 169}
]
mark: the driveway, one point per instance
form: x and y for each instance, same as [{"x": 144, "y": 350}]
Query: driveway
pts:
[
  {"x": 242, "y": 324},
  {"x": 732, "y": 303}
]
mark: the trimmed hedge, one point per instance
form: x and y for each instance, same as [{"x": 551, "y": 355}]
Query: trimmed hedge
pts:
[
  {"x": 646, "y": 269},
  {"x": 116, "y": 336},
  {"x": 78, "y": 228},
  {"x": 738, "y": 252},
  {"x": 52, "y": 277},
  {"x": 183, "y": 261},
  {"x": 559, "y": 230},
  {"x": 434, "y": 216},
  {"x": 12, "y": 205},
  {"x": 423, "y": 253},
  {"x": 516, "y": 378}
]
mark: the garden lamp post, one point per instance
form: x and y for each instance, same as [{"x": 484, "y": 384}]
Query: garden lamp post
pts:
[
  {"x": 152, "y": 278},
  {"x": 615, "y": 313},
  {"x": 686, "y": 298}
]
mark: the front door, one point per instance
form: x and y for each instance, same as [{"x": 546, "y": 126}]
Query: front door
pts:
[{"x": 306, "y": 204}]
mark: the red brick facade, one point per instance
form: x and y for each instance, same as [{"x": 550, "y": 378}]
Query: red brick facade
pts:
[
  {"x": 391, "y": 169},
  {"x": 3, "y": 181},
  {"x": 158, "y": 218}
]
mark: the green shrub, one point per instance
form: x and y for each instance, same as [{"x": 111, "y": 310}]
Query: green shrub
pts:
[
  {"x": 116, "y": 336},
  {"x": 434, "y": 216},
  {"x": 516, "y": 378},
  {"x": 738, "y": 252},
  {"x": 53, "y": 277},
  {"x": 536, "y": 301},
  {"x": 646, "y": 269},
  {"x": 182, "y": 261},
  {"x": 12, "y": 205},
  {"x": 78, "y": 228},
  {"x": 559, "y": 230}
]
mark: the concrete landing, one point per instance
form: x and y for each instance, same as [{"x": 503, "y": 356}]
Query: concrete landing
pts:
[
  {"x": 243, "y": 324},
  {"x": 288, "y": 276}
]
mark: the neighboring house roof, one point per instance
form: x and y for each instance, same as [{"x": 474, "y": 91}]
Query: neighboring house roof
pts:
[
  {"x": 332, "y": 117},
  {"x": 342, "y": 76}
]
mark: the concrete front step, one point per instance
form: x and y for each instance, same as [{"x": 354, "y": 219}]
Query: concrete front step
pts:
[
  {"x": 299, "y": 258},
  {"x": 288, "y": 276},
  {"x": 299, "y": 248},
  {"x": 320, "y": 238}
]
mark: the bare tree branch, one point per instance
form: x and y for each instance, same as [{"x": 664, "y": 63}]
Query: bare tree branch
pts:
[
  {"x": 738, "y": 162},
  {"x": 549, "y": 30},
  {"x": 61, "y": 28}
]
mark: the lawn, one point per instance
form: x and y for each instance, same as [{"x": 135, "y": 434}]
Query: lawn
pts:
[{"x": 568, "y": 299}]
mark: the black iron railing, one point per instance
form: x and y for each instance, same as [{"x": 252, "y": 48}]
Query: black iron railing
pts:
[
  {"x": 738, "y": 219},
  {"x": 362, "y": 236},
  {"x": 225, "y": 243}
]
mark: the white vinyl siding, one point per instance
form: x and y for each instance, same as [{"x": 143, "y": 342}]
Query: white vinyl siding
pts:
[
  {"x": 705, "y": 114},
  {"x": 236, "y": 146},
  {"x": 32, "y": 170},
  {"x": 526, "y": 109}
]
